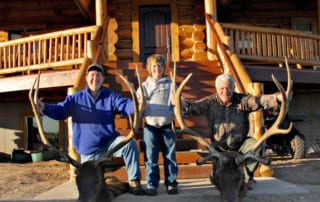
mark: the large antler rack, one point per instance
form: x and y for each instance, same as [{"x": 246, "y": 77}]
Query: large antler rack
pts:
[
  {"x": 134, "y": 127},
  {"x": 275, "y": 129},
  {"x": 184, "y": 129},
  {"x": 33, "y": 98}
]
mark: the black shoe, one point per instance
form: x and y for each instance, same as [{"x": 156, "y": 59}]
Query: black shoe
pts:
[
  {"x": 250, "y": 185},
  {"x": 136, "y": 188},
  {"x": 151, "y": 190},
  {"x": 172, "y": 189}
]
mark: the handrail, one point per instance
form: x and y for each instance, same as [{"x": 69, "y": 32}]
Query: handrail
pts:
[
  {"x": 224, "y": 58},
  {"x": 61, "y": 48},
  {"x": 271, "y": 45},
  {"x": 98, "y": 44}
]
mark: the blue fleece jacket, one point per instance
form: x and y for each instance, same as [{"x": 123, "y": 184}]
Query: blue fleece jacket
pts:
[{"x": 93, "y": 120}]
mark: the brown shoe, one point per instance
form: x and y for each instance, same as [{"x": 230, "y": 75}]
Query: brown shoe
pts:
[{"x": 136, "y": 188}]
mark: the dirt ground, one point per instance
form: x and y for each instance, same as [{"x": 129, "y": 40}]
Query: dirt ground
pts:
[{"x": 24, "y": 181}]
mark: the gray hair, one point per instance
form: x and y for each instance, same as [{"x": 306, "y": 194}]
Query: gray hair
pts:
[{"x": 225, "y": 77}]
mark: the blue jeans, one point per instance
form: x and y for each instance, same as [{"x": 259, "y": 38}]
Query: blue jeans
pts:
[
  {"x": 156, "y": 138},
  {"x": 129, "y": 153}
]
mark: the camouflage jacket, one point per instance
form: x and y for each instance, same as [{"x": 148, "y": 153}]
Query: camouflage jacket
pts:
[{"x": 230, "y": 121}]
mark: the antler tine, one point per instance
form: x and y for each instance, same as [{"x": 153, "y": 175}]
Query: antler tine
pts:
[
  {"x": 274, "y": 129},
  {"x": 290, "y": 82},
  {"x": 134, "y": 126},
  {"x": 184, "y": 129},
  {"x": 34, "y": 99},
  {"x": 142, "y": 101}
]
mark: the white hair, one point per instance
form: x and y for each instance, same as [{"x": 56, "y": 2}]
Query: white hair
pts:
[{"x": 223, "y": 78}]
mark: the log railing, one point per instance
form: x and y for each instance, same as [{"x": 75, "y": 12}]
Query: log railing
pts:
[
  {"x": 271, "y": 45},
  {"x": 62, "y": 48},
  {"x": 223, "y": 55}
]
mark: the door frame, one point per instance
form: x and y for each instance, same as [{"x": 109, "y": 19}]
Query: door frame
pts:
[{"x": 173, "y": 25}]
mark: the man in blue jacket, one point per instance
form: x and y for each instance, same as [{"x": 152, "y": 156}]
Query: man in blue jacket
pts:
[{"x": 92, "y": 111}]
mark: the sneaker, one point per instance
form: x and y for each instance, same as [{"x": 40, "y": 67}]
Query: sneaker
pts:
[
  {"x": 151, "y": 190},
  {"x": 172, "y": 189},
  {"x": 136, "y": 188}
]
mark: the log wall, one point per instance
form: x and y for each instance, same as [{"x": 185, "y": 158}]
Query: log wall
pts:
[
  {"x": 267, "y": 13},
  {"x": 37, "y": 16},
  {"x": 190, "y": 22}
]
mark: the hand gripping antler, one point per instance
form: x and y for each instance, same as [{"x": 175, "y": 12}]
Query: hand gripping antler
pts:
[
  {"x": 274, "y": 129},
  {"x": 184, "y": 129},
  {"x": 33, "y": 98}
]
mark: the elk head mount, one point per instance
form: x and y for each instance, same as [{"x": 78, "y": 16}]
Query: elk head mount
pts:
[
  {"x": 90, "y": 178},
  {"x": 229, "y": 170}
]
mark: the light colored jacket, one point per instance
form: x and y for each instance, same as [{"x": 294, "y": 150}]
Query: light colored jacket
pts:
[{"x": 158, "y": 110}]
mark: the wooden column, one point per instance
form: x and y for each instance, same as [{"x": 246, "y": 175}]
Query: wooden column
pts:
[
  {"x": 71, "y": 151},
  {"x": 257, "y": 90},
  {"x": 210, "y": 9},
  {"x": 318, "y": 16},
  {"x": 257, "y": 123},
  {"x": 101, "y": 9}
]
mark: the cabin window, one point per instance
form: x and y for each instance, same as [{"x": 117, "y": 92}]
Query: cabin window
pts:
[
  {"x": 304, "y": 24},
  {"x": 51, "y": 129}
]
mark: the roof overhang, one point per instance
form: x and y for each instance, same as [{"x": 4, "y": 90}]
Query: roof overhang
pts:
[{"x": 47, "y": 80}]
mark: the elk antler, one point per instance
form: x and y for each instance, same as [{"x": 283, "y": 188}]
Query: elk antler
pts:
[
  {"x": 33, "y": 98},
  {"x": 185, "y": 129},
  {"x": 137, "y": 117},
  {"x": 274, "y": 129}
]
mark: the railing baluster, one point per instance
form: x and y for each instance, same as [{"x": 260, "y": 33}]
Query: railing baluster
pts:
[
  {"x": 67, "y": 46},
  {"x": 29, "y": 53},
  {"x": 269, "y": 45},
  {"x": 14, "y": 56},
  {"x": 243, "y": 51},
  {"x": 73, "y": 45},
  {"x": 50, "y": 50},
  {"x": 61, "y": 48},
  {"x": 55, "y": 49},
  {"x": 79, "y": 45},
  {"x": 237, "y": 42},
  {"x": 264, "y": 44},
  {"x": 19, "y": 55},
  {"x": 24, "y": 55},
  {"x": 9, "y": 56},
  {"x": 5, "y": 57},
  {"x": 45, "y": 51},
  {"x": 85, "y": 42}
]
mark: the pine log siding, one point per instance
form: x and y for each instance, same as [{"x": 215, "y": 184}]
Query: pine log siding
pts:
[
  {"x": 267, "y": 13},
  {"x": 190, "y": 22}
]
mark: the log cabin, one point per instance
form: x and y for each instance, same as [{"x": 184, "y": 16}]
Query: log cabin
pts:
[{"x": 248, "y": 39}]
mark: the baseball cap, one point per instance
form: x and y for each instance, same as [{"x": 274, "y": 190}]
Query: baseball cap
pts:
[{"x": 95, "y": 67}]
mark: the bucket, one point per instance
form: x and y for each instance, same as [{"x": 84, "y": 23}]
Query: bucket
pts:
[{"x": 37, "y": 156}]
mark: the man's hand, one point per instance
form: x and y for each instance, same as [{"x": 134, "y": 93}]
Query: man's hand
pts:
[{"x": 40, "y": 106}]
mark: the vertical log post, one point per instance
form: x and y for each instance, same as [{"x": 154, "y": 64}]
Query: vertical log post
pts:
[
  {"x": 71, "y": 151},
  {"x": 257, "y": 122},
  {"x": 210, "y": 9}
]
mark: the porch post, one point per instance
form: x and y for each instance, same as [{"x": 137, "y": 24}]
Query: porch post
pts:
[
  {"x": 101, "y": 9},
  {"x": 256, "y": 123},
  {"x": 210, "y": 9},
  {"x": 318, "y": 16},
  {"x": 71, "y": 151}
]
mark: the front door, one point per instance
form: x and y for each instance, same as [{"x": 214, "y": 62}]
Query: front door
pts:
[{"x": 155, "y": 31}]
